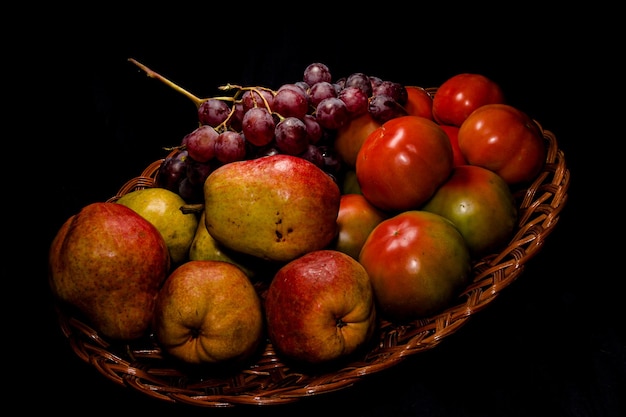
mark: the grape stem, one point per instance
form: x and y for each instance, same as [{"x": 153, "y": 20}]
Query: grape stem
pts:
[{"x": 152, "y": 74}]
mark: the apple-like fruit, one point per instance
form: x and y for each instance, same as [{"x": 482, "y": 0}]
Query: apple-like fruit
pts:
[
  {"x": 109, "y": 263},
  {"x": 320, "y": 308},
  {"x": 208, "y": 312}
]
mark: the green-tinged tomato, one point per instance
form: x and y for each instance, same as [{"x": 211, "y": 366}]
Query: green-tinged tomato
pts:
[
  {"x": 418, "y": 263},
  {"x": 479, "y": 202}
]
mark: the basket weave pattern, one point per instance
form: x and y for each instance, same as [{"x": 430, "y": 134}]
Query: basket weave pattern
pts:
[{"x": 268, "y": 380}]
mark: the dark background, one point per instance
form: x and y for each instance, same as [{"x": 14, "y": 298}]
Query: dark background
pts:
[{"x": 552, "y": 344}]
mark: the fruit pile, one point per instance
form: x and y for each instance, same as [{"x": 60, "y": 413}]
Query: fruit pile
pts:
[{"x": 303, "y": 217}]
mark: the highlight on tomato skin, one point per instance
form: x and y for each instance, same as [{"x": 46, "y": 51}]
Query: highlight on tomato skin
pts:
[
  {"x": 504, "y": 139},
  {"x": 458, "y": 96},
  {"x": 401, "y": 163}
]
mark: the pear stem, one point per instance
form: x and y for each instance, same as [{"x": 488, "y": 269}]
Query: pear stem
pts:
[
  {"x": 192, "y": 208},
  {"x": 150, "y": 73}
]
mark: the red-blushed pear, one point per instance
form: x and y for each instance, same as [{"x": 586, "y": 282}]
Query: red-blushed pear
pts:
[
  {"x": 208, "y": 312},
  {"x": 109, "y": 263},
  {"x": 320, "y": 308}
]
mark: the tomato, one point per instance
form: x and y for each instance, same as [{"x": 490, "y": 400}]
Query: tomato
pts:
[
  {"x": 357, "y": 217},
  {"x": 419, "y": 102},
  {"x": 453, "y": 135},
  {"x": 351, "y": 136},
  {"x": 505, "y": 140},
  {"x": 418, "y": 262},
  {"x": 480, "y": 204},
  {"x": 461, "y": 94},
  {"x": 401, "y": 163}
]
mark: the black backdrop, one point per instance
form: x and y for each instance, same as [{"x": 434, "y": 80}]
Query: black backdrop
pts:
[{"x": 551, "y": 344}]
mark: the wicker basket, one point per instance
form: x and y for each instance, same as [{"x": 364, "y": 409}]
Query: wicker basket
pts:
[{"x": 268, "y": 380}]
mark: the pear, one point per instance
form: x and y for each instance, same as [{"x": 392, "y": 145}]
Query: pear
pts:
[
  {"x": 108, "y": 263},
  {"x": 204, "y": 247},
  {"x": 162, "y": 208},
  {"x": 208, "y": 312},
  {"x": 276, "y": 207}
]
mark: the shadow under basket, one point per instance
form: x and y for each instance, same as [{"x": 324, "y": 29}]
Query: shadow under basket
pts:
[{"x": 267, "y": 379}]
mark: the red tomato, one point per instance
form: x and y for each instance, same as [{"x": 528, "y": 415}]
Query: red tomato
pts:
[
  {"x": 418, "y": 263},
  {"x": 453, "y": 134},
  {"x": 419, "y": 102},
  {"x": 505, "y": 140},
  {"x": 401, "y": 163},
  {"x": 461, "y": 94},
  {"x": 351, "y": 136},
  {"x": 357, "y": 217},
  {"x": 480, "y": 204}
]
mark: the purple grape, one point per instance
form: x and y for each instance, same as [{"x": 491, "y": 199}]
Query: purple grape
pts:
[
  {"x": 313, "y": 129},
  {"x": 358, "y": 79},
  {"x": 230, "y": 146},
  {"x": 268, "y": 150},
  {"x": 383, "y": 108},
  {"x": 320, "y": 91},
  {"x": 258, "y": 126},
  {"x": 356, "y": 101},
  {"x": 302, "y": 85},
  {"x": 332, "y": 113},
  {"x": 375, "y": 81},
  {"x": 254, "y": 98},
  {"x": 291, "y": 136},
  {"x": 291, "y": 102},
  {"x": 392, "y": 89},
  {"x": 316, "y": 72},
  {"x": 200, "y": 143},
  {"x": 191, "y": 193},
  {"x": 172, "y": 171},
  {"x": 213, "y": 112},
  {"x": 332, "y": 160},
  {"x": 236, "y": 120},
  {"x": 313, "y": 154},
  {"x": 197, "y": 171}
]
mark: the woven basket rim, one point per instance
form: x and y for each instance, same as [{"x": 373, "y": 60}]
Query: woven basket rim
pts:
[{"x": 267, "y": 380}]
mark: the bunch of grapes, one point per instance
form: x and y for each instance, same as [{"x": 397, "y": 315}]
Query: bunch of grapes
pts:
[{"x": 299, "y": 119}]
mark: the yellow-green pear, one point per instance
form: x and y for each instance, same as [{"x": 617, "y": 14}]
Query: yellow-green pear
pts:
[
  {"x": 276, "y": 207},
  {"x": 205, "y": 248},
  {"x": 162, "y": 208}
]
